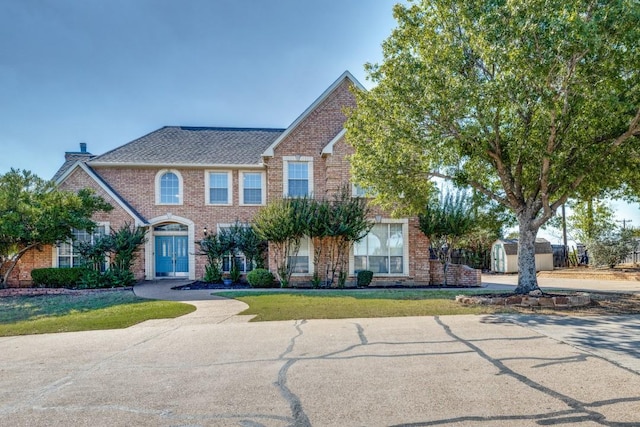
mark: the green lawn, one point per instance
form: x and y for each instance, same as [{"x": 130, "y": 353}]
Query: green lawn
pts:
[
  {"x": 342, "y": 304},
  {"x": 93, "y": 311}
]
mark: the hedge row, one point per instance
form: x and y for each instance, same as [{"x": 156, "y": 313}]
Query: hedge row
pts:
[{"x": 57, "y": 277}]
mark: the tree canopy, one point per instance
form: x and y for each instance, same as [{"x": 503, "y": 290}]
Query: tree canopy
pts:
[
  {"x": 529, "y": 103},
  {"x": 33, "y": 212}
]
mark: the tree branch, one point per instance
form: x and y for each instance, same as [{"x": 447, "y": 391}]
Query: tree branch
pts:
[{"x": 481, "y": 188}]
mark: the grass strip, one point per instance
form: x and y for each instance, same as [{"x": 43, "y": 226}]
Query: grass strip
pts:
[
  {"x": 71, "y": 313},
  {"x": 294, "y": 305}
]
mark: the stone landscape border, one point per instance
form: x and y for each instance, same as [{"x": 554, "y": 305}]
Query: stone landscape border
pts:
[{"x": 534, "y": 299}]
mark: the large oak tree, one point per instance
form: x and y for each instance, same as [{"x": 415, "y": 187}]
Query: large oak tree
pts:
[{"x": 529, "y": 103}]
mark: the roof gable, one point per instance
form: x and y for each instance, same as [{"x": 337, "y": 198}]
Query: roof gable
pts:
[
  {"x": 269, "y": 152},
  {"x": 138, "y": 219}
]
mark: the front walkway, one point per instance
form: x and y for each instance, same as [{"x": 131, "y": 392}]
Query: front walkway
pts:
[{"x": 210, "y": 308}]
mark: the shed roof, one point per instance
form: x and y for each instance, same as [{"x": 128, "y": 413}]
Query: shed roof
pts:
[{"x": 543, "y": 246}]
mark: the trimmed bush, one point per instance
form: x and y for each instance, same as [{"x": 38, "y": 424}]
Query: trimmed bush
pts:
[
  {"x": 260, "y": 278},
  {"x": 364, "y": 278},
  {"x": 57, "y": 277}
]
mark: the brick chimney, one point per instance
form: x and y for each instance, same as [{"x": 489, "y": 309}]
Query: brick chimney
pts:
[{"x": 82, "y": 155}]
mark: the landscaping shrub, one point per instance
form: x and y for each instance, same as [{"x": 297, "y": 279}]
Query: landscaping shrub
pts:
[
  {"x": 364, "y": 278},
  {"x": 260, "y": 278},
  {"x": 611, "y": 250},
  {"x": 212, "y": 274},
  {"x": 57, "y": 277}
]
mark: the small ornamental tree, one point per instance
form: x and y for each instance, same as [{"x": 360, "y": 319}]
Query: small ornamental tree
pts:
[
  {"x": 346, "y": 224},
  {"x": 282, "y": 224},
  {"x": 34, "y": 213},
  {"x": 214, "y": 249},
  {"x": 445, "y": 222}
]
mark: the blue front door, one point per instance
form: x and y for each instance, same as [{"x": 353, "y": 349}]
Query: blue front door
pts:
[{"x": 172, "y": 256}]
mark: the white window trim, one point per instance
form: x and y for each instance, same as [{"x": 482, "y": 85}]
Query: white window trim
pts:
[
  {"x": 55, "y": 257},
  {"x": 229, "y": 188},
  {"x": 405, "y": 249},
  {"x": 180, "y": 191},
  {"x": 263, "y": 189},
  {"x": 285, "y": 173}
]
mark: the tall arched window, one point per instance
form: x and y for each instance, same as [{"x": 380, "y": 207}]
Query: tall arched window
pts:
[{"x": 168, "y": 188}]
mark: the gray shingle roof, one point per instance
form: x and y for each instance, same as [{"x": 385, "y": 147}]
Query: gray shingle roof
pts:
[
  {"x": 181, "y": 145},
  {"x": 70, "y": 159}
]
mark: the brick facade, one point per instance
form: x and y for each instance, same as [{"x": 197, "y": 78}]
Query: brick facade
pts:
[{"x": 308, "y": 139}]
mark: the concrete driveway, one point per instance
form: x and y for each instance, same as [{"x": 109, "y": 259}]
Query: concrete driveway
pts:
[{"x": 219, "y": 370}]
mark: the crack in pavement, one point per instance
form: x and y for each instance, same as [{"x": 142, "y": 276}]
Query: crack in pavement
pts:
[
  {"x": 300, "y": 418},
  {"x": 578, "y": 407}
]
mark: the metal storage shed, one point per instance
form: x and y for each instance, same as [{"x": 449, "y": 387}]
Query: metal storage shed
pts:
[{"x": 504, "y": 256}]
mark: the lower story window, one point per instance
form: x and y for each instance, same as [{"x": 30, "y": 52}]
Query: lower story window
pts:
[
  {"x": 241, "y": 263},
  {"x": 299, "y": 262},
  {"x": 68, "y": 254},
  {"x": 382, "y": 251}
]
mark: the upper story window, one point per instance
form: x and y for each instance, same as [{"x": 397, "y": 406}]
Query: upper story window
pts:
[
  {"x": 219, "y": 188},
  {"x": 298, "y": 176},
  {"x": 253, "y": 188},
  {"x": 168, "y": 188}
]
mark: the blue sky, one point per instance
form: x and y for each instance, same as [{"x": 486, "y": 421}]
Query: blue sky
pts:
[{"x": 106, "y": 72}]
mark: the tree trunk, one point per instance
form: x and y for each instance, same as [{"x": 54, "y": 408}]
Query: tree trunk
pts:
[{"x": 527, "y": 280}]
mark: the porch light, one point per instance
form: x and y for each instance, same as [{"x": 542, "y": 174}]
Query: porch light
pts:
[
  {"x": 204, "y": 231},
  {"x": 378, "y": 219}
]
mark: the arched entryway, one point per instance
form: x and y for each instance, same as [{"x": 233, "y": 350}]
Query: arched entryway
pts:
[{"x": 171, "y": 246}]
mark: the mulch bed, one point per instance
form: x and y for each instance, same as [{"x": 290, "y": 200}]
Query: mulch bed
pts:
[{"x": 198, "y": 285}]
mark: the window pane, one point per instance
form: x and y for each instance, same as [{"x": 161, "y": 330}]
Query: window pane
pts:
[
  {"x": 395, "y": 239},
  {"x": 382, "y": 251},
  {"x": 298, "y": 188},
  {"x": 298, "y": 170},
  {"x": 359, "y": 263},
  {"x": 298, "y": 179},
  {"x": 379, "y": 264},
  {"x": 219, "y": 188},
  {"x": 241, "y": 263},
  {"x": 252, "y": 180},
  {"x": 299, "y": 262},
  {"x": 218, "y": 195},
  {"x": 252, "y": 188},
  {"x": 252, "y": 197},
  {"x": 396, "y": 264},
  {"x": 169, "y": 188}
]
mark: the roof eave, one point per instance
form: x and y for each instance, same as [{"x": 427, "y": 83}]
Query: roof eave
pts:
[{"x": 175, "y": 165}]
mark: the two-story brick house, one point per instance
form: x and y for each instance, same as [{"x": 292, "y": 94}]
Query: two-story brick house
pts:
[{"x": 182, "y": 182}]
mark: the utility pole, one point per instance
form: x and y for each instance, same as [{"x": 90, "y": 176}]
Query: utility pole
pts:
[
  {"x": 564, "y": 237},
  {"x": 624, "y": 223}
]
